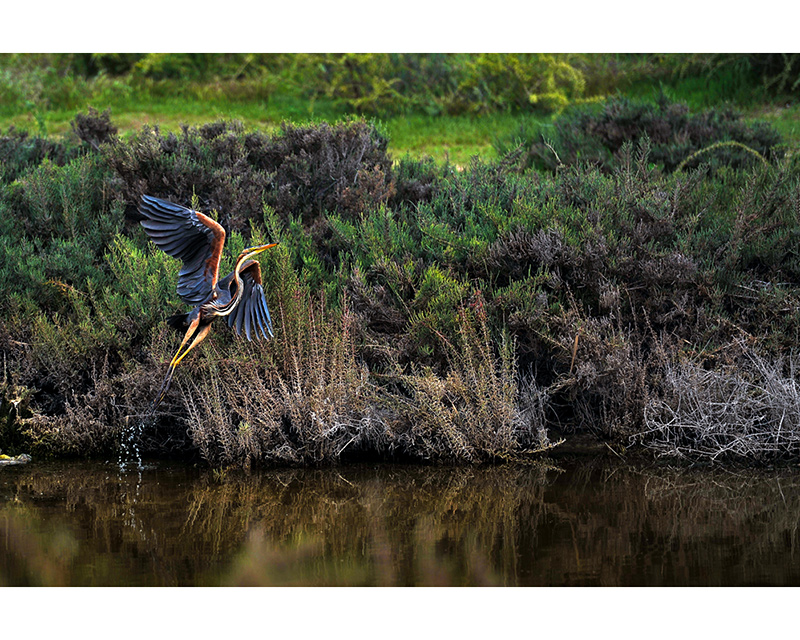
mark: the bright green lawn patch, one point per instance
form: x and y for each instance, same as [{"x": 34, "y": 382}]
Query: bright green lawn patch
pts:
[
  {"x": 457, "y": 138},
  {"x": 785, "y": 119},
  {"x": 453, "y": 138}
]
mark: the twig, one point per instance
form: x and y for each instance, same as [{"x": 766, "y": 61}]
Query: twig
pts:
[
  {"x": 717, "y": 145},
  {"x": 550, "y": 146},
  {"x": 574, "y": 352}
]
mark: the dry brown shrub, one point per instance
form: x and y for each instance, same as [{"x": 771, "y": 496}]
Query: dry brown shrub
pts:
[
  {"x": 301, "y": 398},
  {"x": 479, "y": 410},
  {"x": 748, "y": 409},
  {"x": 306, "y": 398},
  {"x": 90, "y": 422}
]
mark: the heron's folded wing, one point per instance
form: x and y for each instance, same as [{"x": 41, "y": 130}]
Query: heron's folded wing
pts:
[
  {"x": 252, "y": 313},
  {"x": 189, "y": 236}
]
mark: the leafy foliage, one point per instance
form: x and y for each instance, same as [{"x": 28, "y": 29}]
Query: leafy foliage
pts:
[
  {"x": 546, "y": 82},
  {"x": 380, "y": 83},
  {"x": 299, "y": 172},
  {"x": 420, "y": 311},
  {"x": 597, "y": 134}
]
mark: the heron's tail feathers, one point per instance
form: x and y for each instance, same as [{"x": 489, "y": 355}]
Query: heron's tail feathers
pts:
[{"x": 178, "y": 322}]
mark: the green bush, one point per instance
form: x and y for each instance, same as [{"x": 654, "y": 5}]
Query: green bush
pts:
[
  {"x": 300, "y": 172},
  {"x": 547, "y": 83},
  {"x": 417, "y": 295},
  {"x": 191, "y": 66},
  {"x": 597, "y": 134},
  {"x": 380, "y": 83}
]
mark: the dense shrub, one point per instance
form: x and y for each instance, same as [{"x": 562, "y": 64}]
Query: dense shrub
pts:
[
  {"x": 187, "y": 66},
  {"x": 420, "y": 311},
  {"x": 751, "y": 74},
  {"x": 596, "y": 135},
  {"x": 453, "y": 83},
  {"x": 300, "y": 172},
  {"x": 342, "y": 168},
  {"x": 20, "y": 151}
]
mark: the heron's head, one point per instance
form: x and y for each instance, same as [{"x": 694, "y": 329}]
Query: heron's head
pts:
[{"x": 250, "y": 252}]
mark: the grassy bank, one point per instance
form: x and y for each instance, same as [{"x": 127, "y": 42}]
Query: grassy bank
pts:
[
  {"x": 623, "y": 268},
  {"x": 450, "y": 107},
  {"x": 455, "y": 139}
]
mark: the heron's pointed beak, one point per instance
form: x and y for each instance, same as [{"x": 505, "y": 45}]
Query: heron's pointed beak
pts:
[{"x": 260, "y": 248}]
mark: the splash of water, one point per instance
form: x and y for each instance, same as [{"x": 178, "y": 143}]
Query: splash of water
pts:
[
  {"x": 129, "y": 452},
  {"x": 130, "y": 483}
]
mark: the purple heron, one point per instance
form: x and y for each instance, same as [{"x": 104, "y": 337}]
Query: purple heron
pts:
[{"x": 197, "y": 241}]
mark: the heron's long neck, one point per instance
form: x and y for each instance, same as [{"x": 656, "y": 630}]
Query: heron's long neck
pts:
[
  {"x": 224, "y": 310},
  {"x": 239, "y": 284}
]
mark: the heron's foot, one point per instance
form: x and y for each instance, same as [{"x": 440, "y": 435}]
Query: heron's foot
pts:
[{"x": 162, "y": 392}]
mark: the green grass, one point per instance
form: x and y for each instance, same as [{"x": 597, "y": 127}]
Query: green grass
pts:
[
  {"x": 452, "y": 138},
  {"x": 171, "y": 112},
  {"x": 785, "y": 118},
  {"x": 457, "y": 138},
  {"x": 42, "y": 100}
]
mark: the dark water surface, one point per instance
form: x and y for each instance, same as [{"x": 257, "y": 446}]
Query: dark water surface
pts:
[{"x": 581, "y": 522}]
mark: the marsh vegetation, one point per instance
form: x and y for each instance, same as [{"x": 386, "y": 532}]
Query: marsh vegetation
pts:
[{"x": 630, "y": 271}]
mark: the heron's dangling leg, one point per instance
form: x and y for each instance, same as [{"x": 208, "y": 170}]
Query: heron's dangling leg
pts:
[
  {"x": 177, "y": 358},
  {"x": 201, "y": 335}
]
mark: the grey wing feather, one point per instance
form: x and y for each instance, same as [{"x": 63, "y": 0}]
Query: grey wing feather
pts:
[
  {"x": 252, "y": 312},
  {"x": 178, "y": 232}
]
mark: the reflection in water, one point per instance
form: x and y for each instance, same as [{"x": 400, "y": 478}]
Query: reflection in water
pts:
[{"x": 589, "y": 522}]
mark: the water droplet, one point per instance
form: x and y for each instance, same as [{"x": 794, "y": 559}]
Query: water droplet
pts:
[{"x": 129, "y": 452}]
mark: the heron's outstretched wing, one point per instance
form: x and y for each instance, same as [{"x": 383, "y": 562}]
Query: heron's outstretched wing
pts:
[
  {"x": 252, "y": 312},
  {"x": 190, "y": 236}
]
